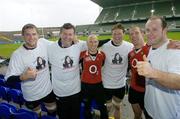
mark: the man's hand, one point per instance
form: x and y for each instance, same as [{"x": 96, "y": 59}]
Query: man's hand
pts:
[
  {"x": 30, "y": 73},
  {"x": 144, "y": 68},
  {"x": 173, "y": 44}
]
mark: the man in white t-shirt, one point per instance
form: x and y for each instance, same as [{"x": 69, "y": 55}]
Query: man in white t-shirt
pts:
[
  {"x": 64, "y": 59},
  {"x": 29, "y": 65},
  {"x": 162, "y": 71},
  {"x": 115, "y": 69}
]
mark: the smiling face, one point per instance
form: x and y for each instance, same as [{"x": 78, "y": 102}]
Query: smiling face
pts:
[
  {"x": 92, "y": 43},
  {"x": 31, "y": 37},
  {"x": 155, "y": 32},
  {"x": 67, "y": 37},
  {"x": 136, "y": 37},
  {"x": 117, "y": 33},
  {"x": 117, "y": 36}
]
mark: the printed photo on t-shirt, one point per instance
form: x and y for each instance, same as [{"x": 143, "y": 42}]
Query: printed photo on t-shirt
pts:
[
  {"x": 68, "y": 62},
  {"x": 41, "y": 63},
  {"x": 117, "y": 59}
]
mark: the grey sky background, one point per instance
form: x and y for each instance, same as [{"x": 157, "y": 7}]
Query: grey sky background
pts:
[{"x": 46, "y": 13}]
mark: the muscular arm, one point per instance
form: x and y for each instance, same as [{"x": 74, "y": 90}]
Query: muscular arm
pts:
[
  {"x": 169, "y": 80},
  {"x": 174, "y": 44}
]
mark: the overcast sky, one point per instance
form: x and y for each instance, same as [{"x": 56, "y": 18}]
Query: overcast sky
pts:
[{"x": 45, "y": 13}]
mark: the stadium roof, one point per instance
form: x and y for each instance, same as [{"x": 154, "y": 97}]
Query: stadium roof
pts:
[{"x": 110, "y": 3}]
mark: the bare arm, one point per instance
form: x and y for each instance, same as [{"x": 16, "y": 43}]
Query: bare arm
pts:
[
  {"x": 169, "y": 80},
  {"x": 174, "y": 44}
]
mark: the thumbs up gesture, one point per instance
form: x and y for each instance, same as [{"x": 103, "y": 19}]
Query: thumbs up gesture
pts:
[
  {"x": 173, "y": 44},
  {"x": 30, "y": 73},
  {"x": 144, "y": 68}
]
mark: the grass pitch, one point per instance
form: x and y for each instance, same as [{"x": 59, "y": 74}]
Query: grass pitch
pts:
[{"x": 7, "y": 49}]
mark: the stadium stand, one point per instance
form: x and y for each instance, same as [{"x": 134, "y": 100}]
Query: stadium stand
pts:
[
  {"x": 101, "y": 16},
  {"x": 110, "y": 15},
  {"x": 126, "y": 13},
  {"x": 161, "y": 10},
  {"x": 129, "y": 13},
  {"x": 142, "y": 11},
  {"x": 4, "y": 93},
  {"x": 6, "y": 110},
  {"x": 82, "y": 29},
  {"x": 16, "y": 97},
  {"x": 24, "y": 114},
  {"x": 176, "y": 7},
  {"x": 2, "y": 82}
]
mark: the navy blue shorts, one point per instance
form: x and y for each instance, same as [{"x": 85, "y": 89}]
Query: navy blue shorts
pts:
[
  {"x": 119, "y": 93},
  {"x": 50, "y": 98},
  {"x": 136, "y": 97}
]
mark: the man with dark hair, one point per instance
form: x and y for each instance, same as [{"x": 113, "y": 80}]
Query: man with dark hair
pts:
[
  {"x": 25, "y": 67},
  {"x": 162, "y": 71},
  {"x": 114, "y": 71},
  {"x": 137, "y": 82},
  {"x": 66, "y": 79}
]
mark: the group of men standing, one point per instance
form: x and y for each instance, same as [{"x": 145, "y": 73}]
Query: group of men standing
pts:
[{"x": 62, "y": 94}]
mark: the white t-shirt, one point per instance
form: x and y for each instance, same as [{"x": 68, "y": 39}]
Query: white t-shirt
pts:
[
  {"x": 65, "y": 68},
  {"x": 116, "y": 63},
  {"x": 162, "y": 102},
  {"x": 21, "y": 59}
]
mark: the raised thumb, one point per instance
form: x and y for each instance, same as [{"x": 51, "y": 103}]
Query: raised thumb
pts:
[{"x": 145, "y": 58}]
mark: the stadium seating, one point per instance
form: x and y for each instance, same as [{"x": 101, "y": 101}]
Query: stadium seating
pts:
[
  {"x": 15, "y": 85},
  {"x": 16, "y": 96},
  {"x": 24, "y": 114},
  {"x": 178, "y": 23},
  {"x": 126, "y": 13},
  {"x": 94, "y": 107},
  {"x": 1, "y": 76},
  {"x": 94, "y": 28},
  {"x": 82, "y": 29},
  {"x": 6, "y": 110},
  {"x": 2, "y": 82},
  {"x": 107, "y": 28},
  {"x": 177, "y": 8},
  {"x": 163, "y": 9},
  {"x": 10, "y": 106},
  {"x": 132, "y": 14},
  {"x": 101, "y": 16},
  {"x": 4, "y": 93},
  {"x": 142, "y": 11},
  {"x": 111, "y": 15}
]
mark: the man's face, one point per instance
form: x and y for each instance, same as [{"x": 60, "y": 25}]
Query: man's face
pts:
[
  {"x": 31, "y": 37},
  {"x": 92, "y": 44},
  {"x": 136, "y": 36},
  {"x": 117, "y": 35},
  {"x": 67, "y": 36},
  {"x": 154, "y": 32},
  {"x": 40, "y": 61}
]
